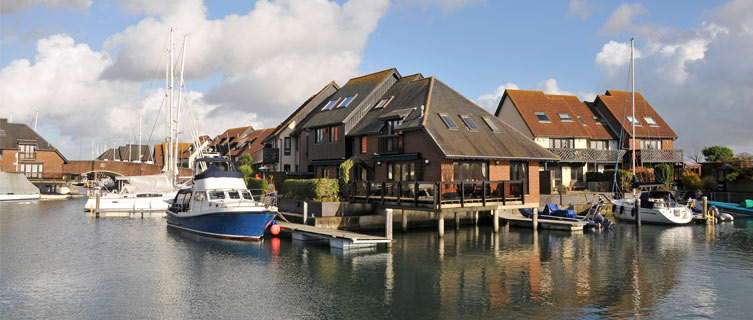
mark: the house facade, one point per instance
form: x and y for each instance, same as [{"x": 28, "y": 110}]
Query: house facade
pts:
[{"x": 22, "y": 150}]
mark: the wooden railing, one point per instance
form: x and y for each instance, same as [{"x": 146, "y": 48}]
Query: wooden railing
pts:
[
  {"x": 656, "y": 155},
  {"x": 391, "y": 144},
  {"x": 588, "y": 155},
  {"x": 436, "y": 195}
]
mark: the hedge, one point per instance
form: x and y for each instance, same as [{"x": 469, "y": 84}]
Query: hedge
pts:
[
  {"x": 255, "y": 184},
  {"x": 322, "y": 190}
]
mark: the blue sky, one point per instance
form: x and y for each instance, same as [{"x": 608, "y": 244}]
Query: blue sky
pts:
[{"x": 474, "y": 46}]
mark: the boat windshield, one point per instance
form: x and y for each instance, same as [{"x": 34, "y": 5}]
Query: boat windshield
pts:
[
  {"x": 247, "y": 195},
  {"x": 216, "y": 195},
  {"x": 233, "y": 194}
]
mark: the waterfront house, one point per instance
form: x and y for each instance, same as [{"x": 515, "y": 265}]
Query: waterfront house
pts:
[
  {"x": 654, "y": 138},
  {"x": 573, "y": 130},
  {"x": 183, "y": 154},
  {"x": 23, "y": 150},
  {"x": 229, "y": 139},
  {"x": 128, "y": 153},
  {"x": 286, "y": 136}
]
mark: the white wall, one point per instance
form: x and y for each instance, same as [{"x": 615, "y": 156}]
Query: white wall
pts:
[
  {"x": 581, "y": 143},
  {"x": 542, "y": 141}
]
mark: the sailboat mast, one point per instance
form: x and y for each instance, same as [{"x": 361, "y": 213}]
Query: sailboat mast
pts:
[
  {"x": 632, "y": 96},
  {"x": 167, "y": 117},
  {"x": 169, "y": 156},
  {"x": 180, "y": 99}
]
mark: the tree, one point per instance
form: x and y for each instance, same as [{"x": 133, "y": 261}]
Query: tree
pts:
[
  {"x": 744, "y": 156},
  {"x": 717, "y": 153},
  {"x": 243, "y": 164},
  {"x": 244, "y": 160},
  {"x": 665, "y": 172},
  {"x": 695, "y": 153}
]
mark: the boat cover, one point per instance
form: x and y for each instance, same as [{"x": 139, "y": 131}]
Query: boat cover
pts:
[
  {"x": 552, "y": 209},
  {"x": 157, "y": 183},
  {"x": 16, "y": 183},
  {"x": 215, "y": 172},
  {"x": 747, "y": 204}
]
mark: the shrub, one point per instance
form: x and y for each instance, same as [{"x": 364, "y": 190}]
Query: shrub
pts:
[
  {"x": 665, "y": 172},
  {"x": 562, "y": 189},
  {"x": 322, "y": 190},
  {"x": 247, "y": 172},
  {"x": 343, "y": 179},
  {"x": 690, "y": 181},
  {"x": 644, "y": 174},
  {"x": 708, "y": 183},
  {"x": 255, "y": 184},
  {"x": 623, "y": 178}
]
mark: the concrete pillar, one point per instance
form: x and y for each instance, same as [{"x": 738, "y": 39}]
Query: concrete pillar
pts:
[
  {"x": 638, "y": 213},
  {"x": 457, "y": 221},
  {"x": 535, "y": 219},
  {"x": 404, "y": 221},
  {"x": 495, "y": 220},
  {"x": 440, "y": 223},
  {"x": 705, "y": 202}
]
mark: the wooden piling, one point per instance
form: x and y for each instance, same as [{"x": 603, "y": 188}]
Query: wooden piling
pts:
[
  {"x": 705, "y": 202},
  {"x": 388, "y": 226},
  {"x": 535, "y": 219},
  {"x": 305, "y": 211},
  {"x": 475, "y": 217},
  {"x": 404, "y": 221},
  {"x": 457, "y": 221},
  {"x": 637, "y": 206},
  {"x": 495, "y": 220},
  {"x": 440, "y": 223},
  {"x": 98, "y": 196}
]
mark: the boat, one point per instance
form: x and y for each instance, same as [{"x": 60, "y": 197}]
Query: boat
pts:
[
  {"x": 139, "y": 193},
  {"x": 656, "y": 206},
  {"x": 594, "y": 218},
  {"x": 15, "y": 186},
  {"x": 743, "y": 209},
  {"x": 218, "y": 204}
]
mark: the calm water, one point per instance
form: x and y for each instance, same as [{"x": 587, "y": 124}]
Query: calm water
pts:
[{"x": 56, "y": 262}]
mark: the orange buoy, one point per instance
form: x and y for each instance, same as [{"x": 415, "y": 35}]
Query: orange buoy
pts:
[{"x": 275, "y": 229}]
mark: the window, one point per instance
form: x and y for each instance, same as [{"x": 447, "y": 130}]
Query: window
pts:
[
  {"x": 26, "y": 151},
  {"x": 599, "y": 144},
  {"x": 286, "y": 168},
  {"x": 576, "y": 173},
  {"x": 651, "y": 122},
  {"x": 405, "y": 171},
  {"x": 565, "y": 117},
  {"x": 333, "y": 136},
  {"x": 199, "y": 196},
  {"x": 383, "y": 103},
  {"x": 561, "y": 143},
  {"x": 469, "y": 123},
  {"x": 599, "y": 120},
  {"x": 519, "y": 171},
  {"x": 330, "y": 104},
  {"x": 542, "y": 117},
  {"x": 448, "y": 121},
  {"x": 319, "y": 135},
  {"x": 490, "y": 124},
  {"x": 247, "y": 195},
  {"x": 391, "y": 124},
  {"x": 583, "y": 122},
  {"x": 325, "y": 172},
  {"x": 217, "y": 195},
  {"x": 651, "y": 144},
  {"x": 470, "y": 171},
  {"x": 234, "y": 194},
  {"x": 345, "y": 102},
  {"x": 363, "y": 144},
  {"x": 286, "y": 145},
  {"x": 633, "y": 120},
  {"x": 32, "y": 170}
]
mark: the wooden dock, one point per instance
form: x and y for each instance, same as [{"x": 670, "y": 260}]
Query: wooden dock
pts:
[
  {"x": 337, "y": 238},
  {"x": 520, "y": 221}
]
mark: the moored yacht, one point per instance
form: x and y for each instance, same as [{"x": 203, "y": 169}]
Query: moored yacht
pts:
[
  {"x": 218, "y": 204},
  {"x": 657, "y": 206}
]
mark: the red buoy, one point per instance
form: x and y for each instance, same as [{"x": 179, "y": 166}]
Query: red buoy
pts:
[{"x": 275, "y": 229}]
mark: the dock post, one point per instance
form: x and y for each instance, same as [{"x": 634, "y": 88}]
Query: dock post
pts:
[
  {"x": 440, "y": 224},
  {"x": 305, "y": 211},
  {"x": 457, "y": 221},
  {"x": 475, "y": 217},
  {"x": 638, "y": 213},
  {"x": 388, "y": 226},
  {"x": 98, "y": 196},
  {"x": 495, "y": 220},
  {"x": 404, "y": 220},
  {"x": 535, "y": 219},
  {"x": 705, "y": 202}
]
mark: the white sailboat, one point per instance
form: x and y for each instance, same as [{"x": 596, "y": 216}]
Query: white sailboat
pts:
[
  {"x": 656, "y": 206},
  {"x": 152, "y": 192}
]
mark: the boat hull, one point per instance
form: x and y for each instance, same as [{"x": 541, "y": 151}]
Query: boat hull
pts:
[
  {"x": 127, "y": 204},
  {"x": 732, "y": 208},
  {"x": 673, "y": 216},
  {"x": 248, "y": 226},
  {"x": 15, "y": 197}
]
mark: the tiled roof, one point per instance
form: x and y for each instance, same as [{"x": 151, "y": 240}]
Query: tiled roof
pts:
[
  {"x": 529, "y": 102},
  {"x": 13, "y": 132},
  {"x": 258, "y": 137},
  {"x": 306, "y": 108},
  {"x": 617, "y": 103}
]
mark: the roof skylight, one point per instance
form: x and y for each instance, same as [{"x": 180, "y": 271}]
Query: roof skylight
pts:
[
  {"x": 345, "y": 102},
  {"x": 633, "y": 120},
  {"x": 490, "y": 124},
  {"x": 651, "y": 122},
  {"x": 448, "y": 121},
  {"x": 542, "y": 117},
  {"x": 582, "y": 121},
  {"x": 469, "y": 123},
  {"x": 383, "y": 103},
  {"x": 330, "y": 104},
  {"x": 565, "y": 117}
]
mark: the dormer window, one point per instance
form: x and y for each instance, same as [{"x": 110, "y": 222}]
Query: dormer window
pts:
[
  {"x": 598, "y": 120},
  {"x": 330, "y": 104},
  {"x": 391, "y": 125},
  {"x": 490, "y": 124},
  {"x": 542, "y": 117},
  {"x": 651, "y": 122},
  {"x": 583, "y": 122},
  {"x": 345, "y": 102},
  {"x": 448, "y": 121},
  {"x": 634, "y": 121},
  {"x": 565, "y": 117},
  {"x": 26, "y": 151},
  {"x": 469, "y": 123},
  {"x": 383, "y": 103}
]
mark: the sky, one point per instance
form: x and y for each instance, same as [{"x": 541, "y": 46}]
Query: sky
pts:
[{"x": 89, "y": 68}]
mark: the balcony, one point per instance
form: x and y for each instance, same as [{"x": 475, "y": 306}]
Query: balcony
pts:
[
  {"x": 27, "y": 156},
  {"x": 588, "y": 155},
  {"x": 267, "y": 155},
  {"x": 659, "y": 156},
  {"x": 391, "y": 144}
]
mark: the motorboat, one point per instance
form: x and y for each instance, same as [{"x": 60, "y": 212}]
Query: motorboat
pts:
[
  {"x": 218, "y": 204},
  {"x": 657, "y": 206},
  {"x": 743, "y": 209},
  {"x": 15, "y": 186},
  {"x": 138, "y": 193}
]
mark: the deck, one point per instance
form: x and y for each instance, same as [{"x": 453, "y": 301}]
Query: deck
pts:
[
  {"x": 337, "y": 238},
  {"x": 520, "y": 221}
]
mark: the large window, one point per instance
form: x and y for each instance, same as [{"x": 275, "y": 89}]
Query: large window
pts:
[
  {"x": 31, "y": 170},
  {"x": 26, "y": 151},
  {"x": 319, "y": 135},
  {"x": 286, "y": 146},
  {"x": 561, "y": 143},
  {"x": 401, "y": 171},
  {"x": 519, "y": 171},
  {"x": 470, "y": 171},
  {"x": 333, "y": 134},
  {"x": 599, "y": 144},
  {"x": 391, "y": 124},
  {"x": 651, "y": 144},
  {"x": 363, "y": 144}
]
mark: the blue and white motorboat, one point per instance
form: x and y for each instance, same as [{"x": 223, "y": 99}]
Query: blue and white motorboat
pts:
[{"x": 218, "y": 204}]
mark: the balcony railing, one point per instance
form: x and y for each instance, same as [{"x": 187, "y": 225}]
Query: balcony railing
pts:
[
  {"x": 27, "y": 156},
  {"x": 656, "y": 155},
  {"x": 588, "y": 155},
  {"x": 438, "y": 195},
  {"x": 391, "y": 144},
  {"x": 267, "y": 155}
]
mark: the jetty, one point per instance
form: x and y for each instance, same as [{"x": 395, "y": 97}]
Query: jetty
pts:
[{"x": 337, "y": 238}]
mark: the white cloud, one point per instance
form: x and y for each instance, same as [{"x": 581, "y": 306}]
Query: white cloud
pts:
[
  {"x": 446, "y": 6},
  {"x": 490, "y": 101},
  {"x": 697, "y": 79},
  {"x": 12, "y": 6},
  {"x": 621, "y": 18},
  {"x": 580, "y": 9}
]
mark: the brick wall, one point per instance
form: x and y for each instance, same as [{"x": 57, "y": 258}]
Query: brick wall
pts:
[
  {"x": 52, "y": 163},
  {"x": 500, "y": 171},
  {"x": 533, "y": 182}
]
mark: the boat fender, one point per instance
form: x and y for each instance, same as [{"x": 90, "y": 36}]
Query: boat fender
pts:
[
  {"x": 622, "y": 210},
  {"x": 632, "y": 212},
  {"x": 614, "y": 208}
]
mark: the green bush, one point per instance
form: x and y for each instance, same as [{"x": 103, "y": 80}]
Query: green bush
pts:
[
  {"x": 343, "y": 179},
  {"x": 255, "y": 184},
  {"x": 665, "y": 172},
  {"x": 717, "y": 153},
  {"x": 322, "y": 190},
  {"x": 708, "y": 183},
  {"x": 562, "y": 189},
  {"x": 247, "y": 172},
  {"x": 690, "y": 181},
  {"x": 624, "y": 178}
]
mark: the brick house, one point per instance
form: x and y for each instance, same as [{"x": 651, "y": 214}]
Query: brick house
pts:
[
  {"x": 228, "y": 140},
  {"x": 23, "y": 150},
  {"x": 414, "y": 128}
]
